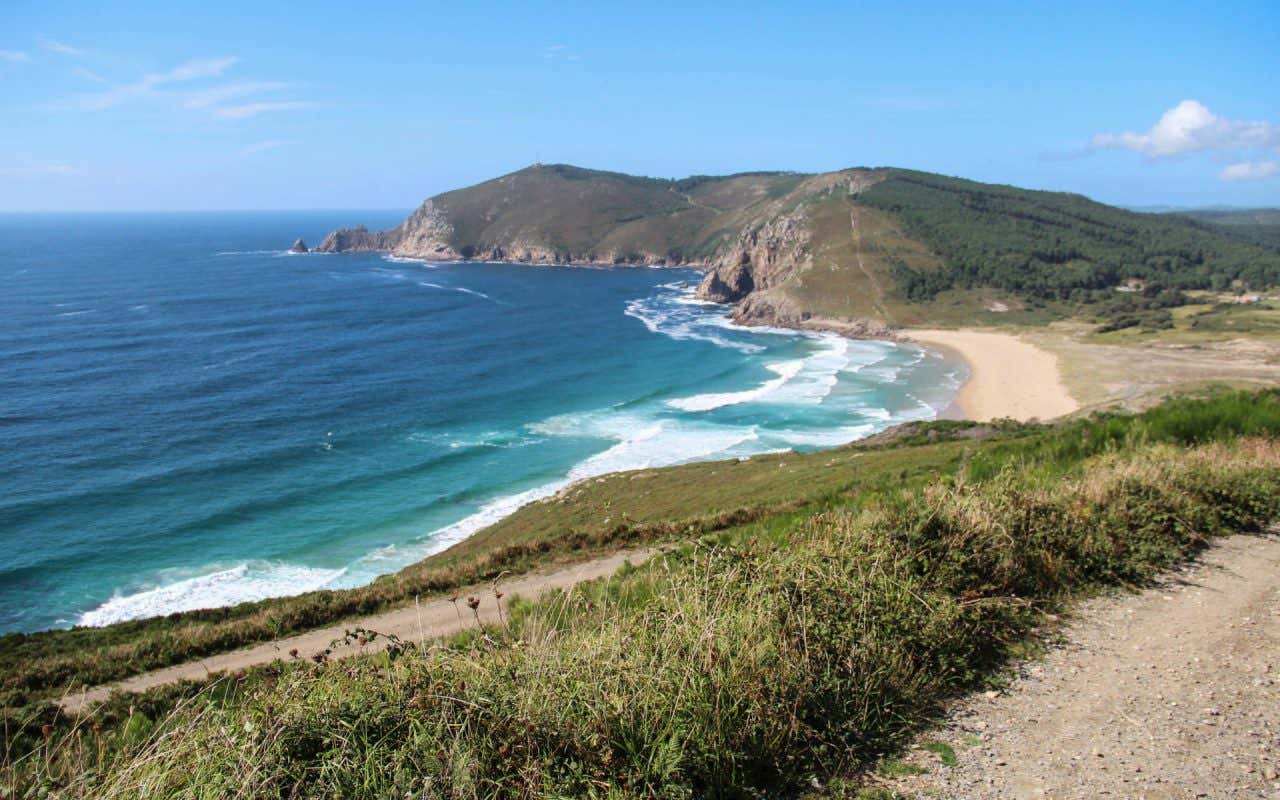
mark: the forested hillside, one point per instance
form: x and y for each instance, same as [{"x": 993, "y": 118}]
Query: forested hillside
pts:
[
  {"x": 858, "y": 250},
  {"x": 1054, "y": 245}
]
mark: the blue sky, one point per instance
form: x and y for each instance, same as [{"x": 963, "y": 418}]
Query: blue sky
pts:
[{"x": 335, "y": 105}]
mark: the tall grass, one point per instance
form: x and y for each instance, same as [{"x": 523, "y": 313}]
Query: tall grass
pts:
[
  {"x": 1221, "y": 416},
  {"x": 35, "y": 667},
  {"x": 744, "y": 664}
]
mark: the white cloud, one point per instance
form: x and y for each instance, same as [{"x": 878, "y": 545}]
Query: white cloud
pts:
[
  {"x": 262, "y": 147},
  {"x": 253, "y": 109},
  {"x": 1250, "y": 171},
  {"x": 13, "y": 56},
  {"x": 220, "y": 94},
  {"x": 60, "y": 47},
  {"x": 189, "y": 71},
  {"x": 1190, "y": 127}
]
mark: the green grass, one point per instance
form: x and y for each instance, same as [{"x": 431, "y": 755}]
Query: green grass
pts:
[
  {"x": 792, "y": 650},
  {"x": 592, "y": 518},
  {"x": 1206, "y": 322},
  {"x": 945, "y": 753}
]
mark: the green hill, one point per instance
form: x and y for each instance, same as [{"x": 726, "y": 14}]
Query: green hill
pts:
[{"x": 861, "y": 250}]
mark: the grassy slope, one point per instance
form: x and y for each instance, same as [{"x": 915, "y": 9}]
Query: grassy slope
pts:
[
  {"x": 1205, "y": 320},
  {"x": 933, "y": 250},
  {"x": 579, "y": 212},
  {"x": 593, "y": 516},
  {"x": 794, "y": 647}
]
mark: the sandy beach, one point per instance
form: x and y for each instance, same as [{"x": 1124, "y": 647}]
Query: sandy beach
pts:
[{"x": 1008, "y": 377}]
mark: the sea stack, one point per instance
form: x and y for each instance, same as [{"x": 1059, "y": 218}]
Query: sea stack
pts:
[{"x": 299, "y": 246}]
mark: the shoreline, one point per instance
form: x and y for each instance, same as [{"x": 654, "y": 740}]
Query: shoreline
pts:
[{"x": 1008, "y": 377}]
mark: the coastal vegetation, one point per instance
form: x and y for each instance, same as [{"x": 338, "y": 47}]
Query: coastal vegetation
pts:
[
  {"x": 1052, "y": 245},
  {"x": 859, "y": 250},
  {"x": 764, "y": 654}
]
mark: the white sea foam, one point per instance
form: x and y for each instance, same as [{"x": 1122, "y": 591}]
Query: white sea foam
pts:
[
  {"x": 76, "y": 313},
  {"x": 253, "y": 580},
  {"x": 463, "y": 289},
  {"x": 669, "y": 318},
  {"x": 661, "y": 444},
  {"x": 786, "y": 370},
  {"x": 407, "y": 260},
  {"x": 462, "y": 441},
  {"x": 641, "y": 443},
  {"x": 643, "y": 436},
  {"x": 824, "y": 438}
]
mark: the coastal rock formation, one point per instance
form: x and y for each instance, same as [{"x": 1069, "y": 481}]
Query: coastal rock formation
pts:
[
  {"x": 299, "y": 246},
  {"x": 356, "y": 240},
  {"x": 762, "y": 257},
  {"x": 751, "y": 233},
  {"x": 859, "y": 250}
]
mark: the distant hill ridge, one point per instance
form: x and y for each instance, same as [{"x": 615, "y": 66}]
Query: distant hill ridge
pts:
[{"x": 859, "y": 250}]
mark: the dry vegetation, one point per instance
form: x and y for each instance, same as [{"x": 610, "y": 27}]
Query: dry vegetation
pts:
[{"x": 771, "y": 656}]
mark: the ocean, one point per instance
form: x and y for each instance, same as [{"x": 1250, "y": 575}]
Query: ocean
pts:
[{"x": 193, "y": 417}]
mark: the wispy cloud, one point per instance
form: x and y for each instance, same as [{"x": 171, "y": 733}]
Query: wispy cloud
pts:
[
  {"x": 1190, "y": 127},
  {"x": 559, "y": 51},
  {"x": 89, "y": 75},
  {"x": 254, "y": 109},
  {"x": 175, "y": 86},
  {"x": 262, "y": 147},
  {"x": 220, "y": 94},
  {"x": 148, "y": 84},
  {"x": 37, "y": 171},
  {"x": 13, "y": 56},
  {"x": 62, "y": 48},
  {"x": 1250, "y": 171}
]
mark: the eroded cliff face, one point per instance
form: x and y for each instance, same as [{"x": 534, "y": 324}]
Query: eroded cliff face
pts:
[
  {"x": 429, "y": 234},
  {"x": 757, "y": 270},
  {"x": 753, "y": 273},
  {"x": 763, "y": 257}
]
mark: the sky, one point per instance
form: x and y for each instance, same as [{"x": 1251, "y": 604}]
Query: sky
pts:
[{"x": 253, "y": 105}]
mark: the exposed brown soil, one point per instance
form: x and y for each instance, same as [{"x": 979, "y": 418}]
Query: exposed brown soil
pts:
[{"x": 1170, "y": 693}]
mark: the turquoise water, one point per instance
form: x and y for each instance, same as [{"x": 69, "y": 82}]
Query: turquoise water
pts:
[{"x": 192, "y": 417}]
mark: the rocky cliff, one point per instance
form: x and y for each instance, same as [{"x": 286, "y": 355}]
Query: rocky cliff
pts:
[
  {"x": 751, "y": 233},
  {"x": 858, "y": 250}
]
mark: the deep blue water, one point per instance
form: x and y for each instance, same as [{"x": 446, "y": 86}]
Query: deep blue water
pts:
[{"x": 191, "y": 417}]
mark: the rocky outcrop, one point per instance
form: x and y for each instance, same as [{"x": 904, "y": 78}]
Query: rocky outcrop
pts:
[
  {"x": 762, "y": 257},
  {"x": 358, "y": 240},
  {"x": 752, "y": 234},
  {"x": 299, "y": 246},
  {"x": 427, "y": 233}
]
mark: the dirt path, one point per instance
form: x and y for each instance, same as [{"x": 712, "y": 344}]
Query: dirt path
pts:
[
  {"x": 431, "y": 619},
  {"x": 877, "y": 301},
  {"x": 1171, "y": 693}
]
